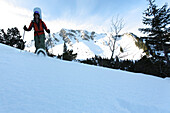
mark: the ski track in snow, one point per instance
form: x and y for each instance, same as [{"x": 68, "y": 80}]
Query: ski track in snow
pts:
[{"x": 33, "y": 84}]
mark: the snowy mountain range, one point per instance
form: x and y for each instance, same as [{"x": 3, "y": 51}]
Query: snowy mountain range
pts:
[
  {"x": 88, "y": 44},
  {"x": 35, "y": 84}
]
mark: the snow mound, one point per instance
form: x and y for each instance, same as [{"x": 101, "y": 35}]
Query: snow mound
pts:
[{"x": 33, "y": 84}]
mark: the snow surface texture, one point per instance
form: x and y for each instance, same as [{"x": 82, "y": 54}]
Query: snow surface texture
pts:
[
  {"x": 88, "y": 44},
  {"x": 33, "y": 84}
]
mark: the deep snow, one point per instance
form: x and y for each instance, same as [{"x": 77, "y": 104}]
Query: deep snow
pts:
[{"x": 33, "y": 84}]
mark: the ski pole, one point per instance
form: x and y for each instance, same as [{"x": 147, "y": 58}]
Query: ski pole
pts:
[
  {"x": 49, "y": 35},
  {"x": 23, "y": 35},
  {"x": 22, "y": 44},
  {"x": 51, "y": 43}
]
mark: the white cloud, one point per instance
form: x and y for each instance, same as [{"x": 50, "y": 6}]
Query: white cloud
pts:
[
  {"x": 12, "y": 16},
  {"x": 90, "y": 24},
  {"x": 133, "y": 21}
]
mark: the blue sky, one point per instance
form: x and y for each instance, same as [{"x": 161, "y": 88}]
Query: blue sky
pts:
[
  {"x": 93, "y": 15},
  {"x": 81, "y": 8}
]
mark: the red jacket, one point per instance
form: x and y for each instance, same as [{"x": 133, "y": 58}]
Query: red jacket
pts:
[{"x": 38, "y": 27}]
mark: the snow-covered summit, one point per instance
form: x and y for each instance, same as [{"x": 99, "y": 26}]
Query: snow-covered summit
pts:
[
  {"x": 88, "y": 44},
  {"x": 33, "y": 84}
]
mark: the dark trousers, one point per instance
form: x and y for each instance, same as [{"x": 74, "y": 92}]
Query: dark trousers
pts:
[{"x": 39, "y": 41}]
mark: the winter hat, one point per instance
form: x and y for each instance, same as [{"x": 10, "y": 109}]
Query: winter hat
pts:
[{"x": 36, "y": 12}]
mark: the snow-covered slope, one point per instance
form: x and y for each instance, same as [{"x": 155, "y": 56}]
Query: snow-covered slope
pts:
[
  {"x": 33, "y": 84},
  {"x": 88, "y": 44}
]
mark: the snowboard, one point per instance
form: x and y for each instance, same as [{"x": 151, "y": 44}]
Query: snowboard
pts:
[{"x": 41, "y": 52}]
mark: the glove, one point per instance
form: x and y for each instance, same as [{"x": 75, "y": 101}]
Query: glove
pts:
[
  {"x": 25, "y": 28},
  {"x": 48, "y": 31}
]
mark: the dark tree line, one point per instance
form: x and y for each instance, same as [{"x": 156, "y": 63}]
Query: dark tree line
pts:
[
  {"x": 12, "y": 38},
  {"x": 144, "y": 65}
]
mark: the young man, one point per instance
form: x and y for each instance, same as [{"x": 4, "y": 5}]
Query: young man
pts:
[{"x": 39, "y": 35}]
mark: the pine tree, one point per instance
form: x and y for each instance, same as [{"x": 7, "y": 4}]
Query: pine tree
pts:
[
  {"x": 68, "y": 54},
  {"x": 158, "y": 32},
  {"x": 2, "y": 36},
  {"x": 12, "y": 38},
  {"x": 65, "y": 48}
]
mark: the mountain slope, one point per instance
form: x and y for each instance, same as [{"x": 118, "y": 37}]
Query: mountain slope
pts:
[
  {"x": 88, "y": 44},
  {"x": 29, "y": 83}
]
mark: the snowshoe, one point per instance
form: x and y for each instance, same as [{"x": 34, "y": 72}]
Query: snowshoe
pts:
[{"x": 41, "y": 52}]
